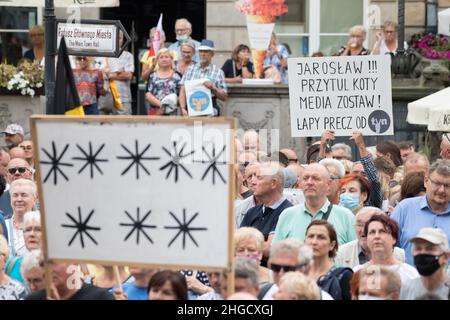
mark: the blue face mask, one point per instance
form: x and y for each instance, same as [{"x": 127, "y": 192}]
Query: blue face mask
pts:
[
  {"x": 182, "y": 38},
  {"x": 349, "y": 200}
]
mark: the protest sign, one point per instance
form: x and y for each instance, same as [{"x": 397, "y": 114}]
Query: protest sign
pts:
[
  {"x": 342, "y": 94},
  {"x": 199, "y": 102},
  {"x": 136, "y": 190}
]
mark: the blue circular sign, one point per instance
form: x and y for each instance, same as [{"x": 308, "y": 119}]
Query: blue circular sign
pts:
[
  {"x": 199, "y": 101},
  {"x": 379, "y": 121}
]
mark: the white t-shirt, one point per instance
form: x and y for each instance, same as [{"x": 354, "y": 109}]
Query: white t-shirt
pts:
[{"x": 405, "y": 271}]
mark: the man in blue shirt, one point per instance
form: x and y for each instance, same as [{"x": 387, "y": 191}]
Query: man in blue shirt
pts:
[
  {"x": 431, "y": 210},
  {"x": 136, "y": 287}
]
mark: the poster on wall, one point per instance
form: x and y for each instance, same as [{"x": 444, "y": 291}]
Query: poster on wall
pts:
[{"x": 342, "y": 94}]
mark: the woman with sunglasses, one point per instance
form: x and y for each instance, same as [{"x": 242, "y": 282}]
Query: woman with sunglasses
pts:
[
  {"x": 89, "y": 83},
  {"x": 322, "y": 238}
]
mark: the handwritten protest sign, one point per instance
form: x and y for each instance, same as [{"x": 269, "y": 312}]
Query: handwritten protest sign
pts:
[
  {"x": 342, "y": 94},
  {"x": 122, "y": 190},
  {"x": 199, "y": 102}
]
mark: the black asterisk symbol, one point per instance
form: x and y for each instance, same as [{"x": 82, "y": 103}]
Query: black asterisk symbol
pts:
[
  {"x": 184, "y": 228},
  {"x": 175, "y": 161},
  {"x": 55, "y": 162},
  {"x": 213, "y": 162},
  {"x": 81, "y": 226},
  {"x": 137, "y": 158},
  {"x": 138, "y": 226},
  {"x": 91, "y": 159}
]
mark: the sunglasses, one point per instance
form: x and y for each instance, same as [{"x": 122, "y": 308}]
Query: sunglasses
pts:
[
  {"x": 277, "y": 268},
  {"x": 14, "y": 170}
]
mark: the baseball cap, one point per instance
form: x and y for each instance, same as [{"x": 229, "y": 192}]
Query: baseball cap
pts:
[
  {"x": 14, "y": 129},
  {"x": 206, "y": 45},
  {"x": 433, "y": 235}
]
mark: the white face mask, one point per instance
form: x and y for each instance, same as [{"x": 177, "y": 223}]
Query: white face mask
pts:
[{"x": 369, "y": 297}]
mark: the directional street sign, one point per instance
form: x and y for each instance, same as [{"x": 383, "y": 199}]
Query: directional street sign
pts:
[{"x": 92, "y": 37}]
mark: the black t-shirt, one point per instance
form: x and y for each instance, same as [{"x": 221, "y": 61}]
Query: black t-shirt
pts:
[
  {"x": 87, "y": 292},
  {"x": 227, "y": 68}
]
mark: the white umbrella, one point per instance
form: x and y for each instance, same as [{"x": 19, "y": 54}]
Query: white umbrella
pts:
[
  {"x": 60, "y": 3},
  {"x": 432, "y": 110},
  {"x": 444, "y": 22}
]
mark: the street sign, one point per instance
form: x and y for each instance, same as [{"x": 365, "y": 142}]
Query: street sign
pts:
[{"x": 92, "y": 37}]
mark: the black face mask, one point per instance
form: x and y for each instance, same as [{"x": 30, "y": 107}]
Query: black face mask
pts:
[{"x": 426, "y": 264}]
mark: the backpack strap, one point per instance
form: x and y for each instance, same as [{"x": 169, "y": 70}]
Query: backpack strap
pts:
[
  {"x": 264, "y": 289},
  {"x": 327, "y": 214}
]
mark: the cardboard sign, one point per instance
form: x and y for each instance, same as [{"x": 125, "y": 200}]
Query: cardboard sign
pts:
[
  {"x": 199, "y": 102},
  {"x": 342, "y": 94},
  {"x": 136, "y": 191},
  {"x": 259, "y": 34}
]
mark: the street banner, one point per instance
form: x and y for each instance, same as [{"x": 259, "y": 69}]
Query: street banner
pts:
[
  {"x": 136, "y": 190},
  {"x": 198, "y": 97},
  {"x": 342, "y": 94}
]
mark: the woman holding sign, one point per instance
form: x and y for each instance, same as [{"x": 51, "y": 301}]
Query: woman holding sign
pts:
[{"x": 163, "y": 84}]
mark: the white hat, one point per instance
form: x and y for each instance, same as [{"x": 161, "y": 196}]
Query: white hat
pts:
[{"x": 434, "y": 236}]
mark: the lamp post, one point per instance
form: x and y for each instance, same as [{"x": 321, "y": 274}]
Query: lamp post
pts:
[{"x": 50, "y": 51}]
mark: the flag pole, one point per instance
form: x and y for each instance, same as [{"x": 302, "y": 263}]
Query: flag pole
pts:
[{"x": 50, "y": 51}]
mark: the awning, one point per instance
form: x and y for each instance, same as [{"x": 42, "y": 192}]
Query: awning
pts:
[
  {"x": 60, "y": 3},
  {"x": 444, "y": 22},
  {"x": 432, "y": 111}
]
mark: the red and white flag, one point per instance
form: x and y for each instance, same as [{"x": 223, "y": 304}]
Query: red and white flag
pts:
[{"x": 156, "y": 43}]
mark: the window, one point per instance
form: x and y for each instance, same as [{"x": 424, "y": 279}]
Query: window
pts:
[
  {"x": 14, "y": 25},
  {"x": 312, "y": 25}
]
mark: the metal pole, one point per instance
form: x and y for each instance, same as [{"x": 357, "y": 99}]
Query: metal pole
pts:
[
  {"x": 50, "y": 51},
  {"x": 401, "y": 27}
]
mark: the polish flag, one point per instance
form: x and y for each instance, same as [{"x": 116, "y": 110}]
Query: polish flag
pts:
[{"x": 156, "y": 43}]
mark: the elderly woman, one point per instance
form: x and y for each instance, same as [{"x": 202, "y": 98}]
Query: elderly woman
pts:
[
  {"x": 354, "y": 47},
  {"x": 321, "y": 237},
  {"x": 187, "y": 53},
  {"x": 248, "y": 243},
  {"x": 32, "y": 270},
  {"x": 163, "y": 82},
  {"x": 33, "y": 237},
  {"x": 37, "y": 39},
  {"x": 386, "y": 42},
  {"x": 23, "y": 198},
  {"x": 148, "y": 59},
  {"x": 239, "y": 66},
  {"x": 381, "y": 233},
  {"x": 9, "y": 289},
  {"x": 297, "y": 286}
]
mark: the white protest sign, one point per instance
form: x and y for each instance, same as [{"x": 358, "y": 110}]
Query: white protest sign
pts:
[
  {"x": 136, "y": 190},
  {"x": 342, "y": 94},
  {"x": 198, "y": 97},
  {"x": 259, "y": 34},
  {"x": 88, "y": 37}
]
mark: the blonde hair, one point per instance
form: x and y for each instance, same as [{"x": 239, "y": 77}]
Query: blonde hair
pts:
[
  {"x": 246, "y": 233},
  {"x": 300, "y": 287},
  {"x": 32, "y": 216},
  {"x": 24, "y": 183},
  {"x": 165, "y": 51},
  {"x": 36, "y": 29}
]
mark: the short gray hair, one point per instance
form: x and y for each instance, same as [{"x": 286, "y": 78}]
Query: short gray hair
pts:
[
  {"x": 360, "y": 28},
  {"x": 373, "y": 210},
  {"x": 185, "y": 21},
  {"x": 31, "y": 259},
  {"x": 31, "y": 216},
  {"x": 276, "y": 171},
  {"x": 334, "y": 163},
  {"x": 441, "y": 166},
  {"x": 343, "y": 146},
  {"x": 247, "y": 269},
  {"x": 295, "y": 246}
]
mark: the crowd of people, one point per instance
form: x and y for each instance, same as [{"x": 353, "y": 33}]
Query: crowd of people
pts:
[
  {"x": 326, "y": 229},
  {"x": 103, "y": 84}
]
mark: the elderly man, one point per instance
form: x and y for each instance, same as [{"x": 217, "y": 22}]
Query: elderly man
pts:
[
  {"x": 445, "y": 146},
  {"x": 14, "y": 135},
  {"x": 288, "y": 255},
  {"x": 341, "y": 151},
  {"x": 356, "y": 38},
  {"x": 241, "y": 209},
  {"x": 406, "y": 148},
  {"x": 16, "y": 169},
  {"x": 183, "y": 30},
  {"x": 205, "y": 70},
  {"x": 416, "y": 162},
  {"x": 293, "y": 221},
  {"x": 431, "y": 253},
  {"x": 67, "y": 285},
  {"x": 269, "y": 189},
  {"x": 290, "y": 155},
  {"x": 337, "y": 171},
  {"x": 430, "y": 210},
  {"x": 32, "y": 270},
  {"x": 246, "y": 279},
  {"x": 377, "y": 282},
  {"x": 23, "y": 199},
  {"x": 356, "y": 252}
]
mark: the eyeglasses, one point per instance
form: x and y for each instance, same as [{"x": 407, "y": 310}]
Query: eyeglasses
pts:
[
  {"x": 26, "y": 147},
  {"x": 277, "y": 267},
  {"x": 20, "y": 169},
  {"x": 438, "y": 185}
]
